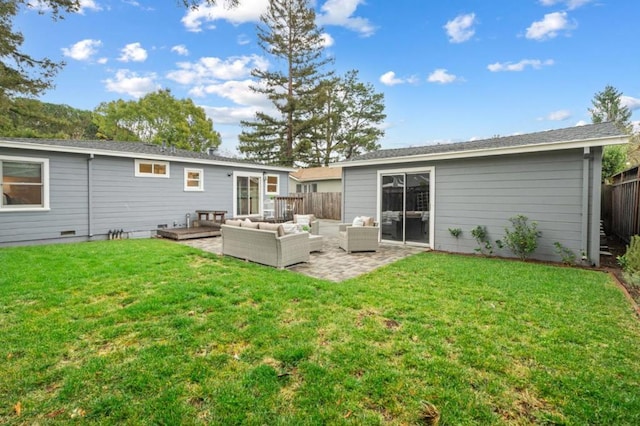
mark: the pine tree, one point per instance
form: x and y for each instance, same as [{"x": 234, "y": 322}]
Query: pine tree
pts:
[
  {"x": 289, "y": 34},
  {"x": 607, "y": 106}
]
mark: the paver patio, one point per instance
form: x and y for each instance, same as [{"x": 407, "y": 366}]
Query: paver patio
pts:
[{"x": 333, "y": 263}]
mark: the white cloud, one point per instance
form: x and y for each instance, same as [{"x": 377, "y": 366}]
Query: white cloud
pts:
[
  {"x": 581, "y": 123},
  {"x": 389, "y": 79},
  {"x": 629, "y": 102},
  {"x": 42, "y": 6},
  {"x": 460, "y": 29},
  {"x": 246, "y": 11},
  {"x": 441, "y": 76},
  {"x": 519, "y": 66},
  {"x": 180, "y": 49},
  {"x": 132, "y": 84},
  {"x": 82, "y": 50},
  {"x": 210, "y": 69},
  {"x": 237, "y": 91},
  {"x": 133, "y": 52},
  {"x": 230, "y": 115},
  {"x": 89, "y": 4},
  {"x": 559, "y": 115},
  {"x": 571, "y": 4},
  {"x": 327, "y": 40},
  {"x": 549, "y": 27},
  {"x": 340, "y": 13}
]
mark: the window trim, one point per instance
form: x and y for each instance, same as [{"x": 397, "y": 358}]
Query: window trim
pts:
[
  {"x": 138, "y": 173},
  {"x": 44, "y": 162},
  {"x": 277, "y": 184},
  {"x": 200, "y": 187}
]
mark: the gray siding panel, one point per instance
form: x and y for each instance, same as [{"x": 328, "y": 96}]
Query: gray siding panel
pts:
[
  {"x": 545, "y": 187},
  {"x": 68, "y": 202},
  {"x": 120, "y": 200}
]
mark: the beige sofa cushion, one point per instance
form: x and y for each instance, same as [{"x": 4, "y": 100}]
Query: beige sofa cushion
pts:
[
  {"x": 248, "y": 224},
  {"x": 231, "y": 222},
  {"x": 272, "y": 227}
]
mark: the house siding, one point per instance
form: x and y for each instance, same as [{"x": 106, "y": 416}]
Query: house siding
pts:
[
  {"x": 119, "y": 200},
  {"x": 545, "y": 187}
]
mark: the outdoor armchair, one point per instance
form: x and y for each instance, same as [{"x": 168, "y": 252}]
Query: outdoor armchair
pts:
[{"x": 358, "y": 238}]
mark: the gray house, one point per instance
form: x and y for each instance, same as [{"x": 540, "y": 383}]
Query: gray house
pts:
[
  {"x": 553, "y": 178},
  {"x": 55, "y": 190}
]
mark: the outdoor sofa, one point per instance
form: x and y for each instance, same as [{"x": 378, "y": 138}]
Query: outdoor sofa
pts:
[{"x": 264, "y": 243}]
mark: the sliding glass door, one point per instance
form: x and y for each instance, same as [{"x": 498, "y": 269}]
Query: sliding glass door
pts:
[{"x": 405, "y": 206}]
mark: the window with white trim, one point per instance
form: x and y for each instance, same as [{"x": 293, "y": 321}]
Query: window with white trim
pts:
[
  {"x": 193, "y": 179},
  {"x": 306, "y": 187},
  {"x": 25, "y": 183},
  {"x": 272, "y": 184},
  {"x": 151, "y": 168}
]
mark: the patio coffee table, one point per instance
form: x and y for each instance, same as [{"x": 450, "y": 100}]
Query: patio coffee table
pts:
[{"x": 315, "y": 242}]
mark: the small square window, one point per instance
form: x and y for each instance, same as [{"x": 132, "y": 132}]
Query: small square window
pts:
[
  {"x": 272, "y": 184},
  {"x": 193, "y": 179}
]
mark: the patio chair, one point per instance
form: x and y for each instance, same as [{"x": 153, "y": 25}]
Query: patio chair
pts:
[{"x": 358, "y": 238}]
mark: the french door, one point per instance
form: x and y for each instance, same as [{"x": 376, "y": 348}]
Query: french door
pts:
[
  {"x": 405, "y": 206},
  {"x": 247, "y": 188}
]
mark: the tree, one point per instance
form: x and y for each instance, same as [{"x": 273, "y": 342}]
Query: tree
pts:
[
  {"x": 20, "y": 73},
  {"x": 288, "y": 33},
  {"x": 348, "y": 120},
  {"x": 34, "y": 119},
  {"x": 24, "y": 75},
  {"x": 608, "y": 107},
  {"x": 156, "y": 118}
]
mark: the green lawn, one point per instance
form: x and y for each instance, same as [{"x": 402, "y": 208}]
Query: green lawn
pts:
[{"x": 153, "y": 332}]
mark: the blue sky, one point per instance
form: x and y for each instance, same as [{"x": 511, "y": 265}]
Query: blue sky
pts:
[{"x": 450, "y": 70}]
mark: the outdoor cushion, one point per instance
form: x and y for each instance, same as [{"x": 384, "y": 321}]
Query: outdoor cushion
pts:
[
  {"x": 367, "y": 220},
  {"x": 231, "y": 222},
  {"x": 272, "y": 227},
  {"x": 357, "y": 221},
  {"x": 290, "y": 228},
  {"x": 303, "y": 219},
  {"x": 248, "y": 224}
]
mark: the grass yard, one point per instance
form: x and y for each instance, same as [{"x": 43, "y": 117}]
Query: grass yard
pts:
[{"x": 153, "y": 332}]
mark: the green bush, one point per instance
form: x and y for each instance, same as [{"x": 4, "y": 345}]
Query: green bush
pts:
[
  {"x": 523, "y": 239},
  {"x": 630, "y": 261},
  {"x": 481, "y": 236}
]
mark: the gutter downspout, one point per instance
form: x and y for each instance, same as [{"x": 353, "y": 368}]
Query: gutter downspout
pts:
[
  {"x": 584, "y": 245},
  {"x": 89, "y": 195}
]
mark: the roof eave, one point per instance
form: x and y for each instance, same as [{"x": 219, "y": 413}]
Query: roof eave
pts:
[
  {"x": 142, "y": 155},
  {"x": 541, "y": 147}
]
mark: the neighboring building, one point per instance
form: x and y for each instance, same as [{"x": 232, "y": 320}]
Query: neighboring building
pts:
[
  {"x": 55, "y": 190},
  {"x": 553, "y": 178},
  {"x": 316, "y": 179}
]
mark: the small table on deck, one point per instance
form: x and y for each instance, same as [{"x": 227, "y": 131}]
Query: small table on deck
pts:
[{"x": 216, "y": 215}]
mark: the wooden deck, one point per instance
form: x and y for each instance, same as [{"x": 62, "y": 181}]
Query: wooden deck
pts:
[{"x": 190, "y": 233}]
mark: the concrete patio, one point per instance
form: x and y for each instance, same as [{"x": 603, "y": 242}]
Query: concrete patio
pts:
[{"x": 332, "y": 263}]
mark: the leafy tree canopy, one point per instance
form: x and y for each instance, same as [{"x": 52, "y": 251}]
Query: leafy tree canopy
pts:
[{"x": 156, "y": 118}]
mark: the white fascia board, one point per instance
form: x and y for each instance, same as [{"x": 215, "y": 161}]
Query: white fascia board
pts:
[
  {"x": 523, "y": 149},
  {"x": 140, "y": 155}
]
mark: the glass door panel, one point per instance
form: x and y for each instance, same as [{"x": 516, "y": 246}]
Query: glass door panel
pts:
[
  {"x": 404, "y": 215},
  {"x": 416, "y": 220},
  {"x": 248, "y": 195},
  {"x": 391, "y": 222}
]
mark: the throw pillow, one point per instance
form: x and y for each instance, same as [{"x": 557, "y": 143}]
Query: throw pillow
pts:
[
  {"x": 302, "y": 219},
  {"x": 357, "y": 221},
  {"x": 290, "y": 228},
  {"x": 231, "y": 222},
  {"x": 367, "y": 220},
  {"x": 248, "y": 224}
]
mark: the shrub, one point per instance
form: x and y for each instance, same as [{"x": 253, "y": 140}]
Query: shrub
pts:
[
  {"x": 523, "y": 239},
  {"x": 566, "y": 254},
  {"x": 481, "y": 236},
  {"x": 630, "y": 261},
  {"x": 455, "y": 232}
]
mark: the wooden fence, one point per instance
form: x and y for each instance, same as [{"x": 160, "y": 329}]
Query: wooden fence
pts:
[
  {"x": 621, "y": 204},
  {"x": 324, "y": 205}
]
